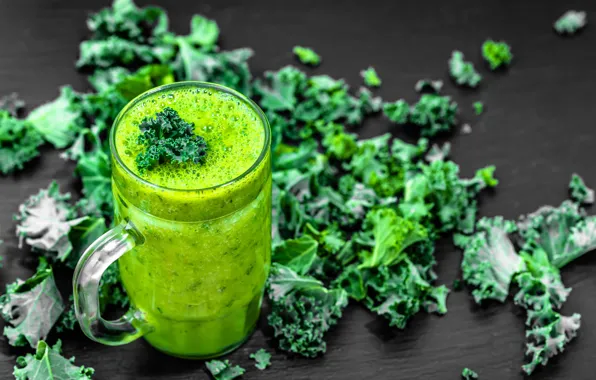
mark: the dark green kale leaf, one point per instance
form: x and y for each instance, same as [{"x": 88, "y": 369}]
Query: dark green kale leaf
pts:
[
  {"x": 302, "y": 310},
  {"x": 224, "y": 370},
  {"x": 497, "y": 54},
  {"x": 297, "y": 254},
  {"x": 432, "y": 113},
  {"x": 371, "y": 78},
  {"x": 490, "y": 260},
  {"x": 229, "y": 68},
  {"x": 19, "y": 143},
  {"x": 468, "y": 374},
  {"x": 306, "y": 55},
  {"x": 31, "y": 308},
  {"x": 125, "y": 20},
  {"x": 262, "y": 358},
  {"x": 570, "y": 22},
  {"x": 463, "y": 72},
  {"x": 48, "y": 364},
  {"x": 579, "y": 192},
  {"x": 59, "y": 121},
  {"x": 114, "y": 51},
  {"x": 167, "y": 137}
]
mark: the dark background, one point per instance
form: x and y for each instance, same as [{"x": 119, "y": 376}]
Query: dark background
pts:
[{"x": 538, "y": 128}]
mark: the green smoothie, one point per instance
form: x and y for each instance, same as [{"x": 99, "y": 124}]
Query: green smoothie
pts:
[{"x": 197, "y": 274}]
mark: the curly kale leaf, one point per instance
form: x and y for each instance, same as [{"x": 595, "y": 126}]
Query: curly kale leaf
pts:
[
  {"x": 68, "y": 319},
  {"x": 31, "y": 308},
  {"x": 306, "y": 55},
  {"x": 371, "y": 78},
  {"x": 203, "y": 32},
  {"x": 262, "y": 359},
  {"x": 167, "y": 137},
  {"x": 398, "y": 111},
  {"x": 45, "y": 220},
  {"x": 297, "y": 254},
  {"x": 463, "y": 72},
  {"x": 401, "y": 291},
  {"x": 115, "y": 51},
  {"x": 437, "y": 187},
  {"x": 125, "y": 20},
  {"x": 224, "y": 370},
  {"x": 19, "y": 143},
  {"x": 95, "y": 172},
  {"x": 391, "y": 235},
  {"x": 468, "y": 374},
  {"x": 432, "y": 113},
  {"x": 302, "y": 310},
  {"x": 563, "y": 233},
  {"x": 570, "y": 22},
  {"x": 59, "y": 121},
  {"x": 229, "y": 68},
  {"x": 579, "y": 192},
  {"x": 490, "y": 260},
  {"x": 49, "y": 364},
  {"x": 497, "y": 54},
  {"x": 548, "y": 332}
]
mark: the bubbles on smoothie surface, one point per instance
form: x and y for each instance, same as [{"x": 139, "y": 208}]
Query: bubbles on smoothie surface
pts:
[{"x": 232, "y": 131}]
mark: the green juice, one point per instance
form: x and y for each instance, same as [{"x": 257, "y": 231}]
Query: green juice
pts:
[{"x": 198, "y": 271}]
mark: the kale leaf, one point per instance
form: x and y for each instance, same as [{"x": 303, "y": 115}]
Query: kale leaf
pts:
[
  {"x": 19, "y": 142},
  {"x": 31, "y": 308},
  {"x": 570, "y": 22},
  {"x": 306, "y": 55},
  {"x": 224, "y": 370},
  {"x": 262, "y": 358},
  {"x": 468, "y": 374},
  {"x": 302, "y": 310},
  {"x": 167, "y": 137},
  {"x": 371, "y": 78},
  {"x": 463, "y": 72},
  {"x": 49, "y": 364},
  {"x": 497, "y": 54},
  {"x": 579, "y": 192}
]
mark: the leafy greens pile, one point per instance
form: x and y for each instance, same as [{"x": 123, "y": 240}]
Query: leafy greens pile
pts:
[{"x": 352, "y": 218}]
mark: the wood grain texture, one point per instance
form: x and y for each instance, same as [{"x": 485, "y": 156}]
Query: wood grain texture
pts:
[{"x": 538, "y": 128}]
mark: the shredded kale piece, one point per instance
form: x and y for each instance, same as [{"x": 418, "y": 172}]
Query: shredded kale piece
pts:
[
  {"x": 478, "y": 108},
  {"x": 307, "y": 55},
  {"x": 570, "y": 22},
  {"x": 432, "y": 113},
  {"x": 497, "y": 54},
  {"x": 579, "y": 192},
  {"x": 19, "y": 143},
  {"x": 262, "y": 358},
  {"x": 224, "y": 370},
  {"x": 48, "y": 364},
  {"x": 31, "y": 308},
  {"x": 463, "y": 72},
  {"x": 371, "y": 78},
  {"x": 468, "y": 374},
  {"x": 490, "y": 260},
  {"x": 167, "y": 137}
]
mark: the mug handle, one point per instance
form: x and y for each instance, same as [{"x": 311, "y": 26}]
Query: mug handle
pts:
[{"x": 94, "y": 261}]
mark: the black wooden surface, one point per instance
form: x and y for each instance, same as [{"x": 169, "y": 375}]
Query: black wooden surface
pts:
[{"x": 538, "y": 128}]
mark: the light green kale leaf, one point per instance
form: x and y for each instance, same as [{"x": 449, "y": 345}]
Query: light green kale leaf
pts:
[
  {"x": 31, "y": 308},
  {"x": 262, "y": 358},
  {"x": 307, "y": 55},
  {"x": 19, "y": 143},
  {"x": 49, "y": 364},
  {"x": 224, "y": 370}
]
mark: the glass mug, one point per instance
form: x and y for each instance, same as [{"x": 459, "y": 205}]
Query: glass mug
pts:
[{"x": 193, "y": 262}]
